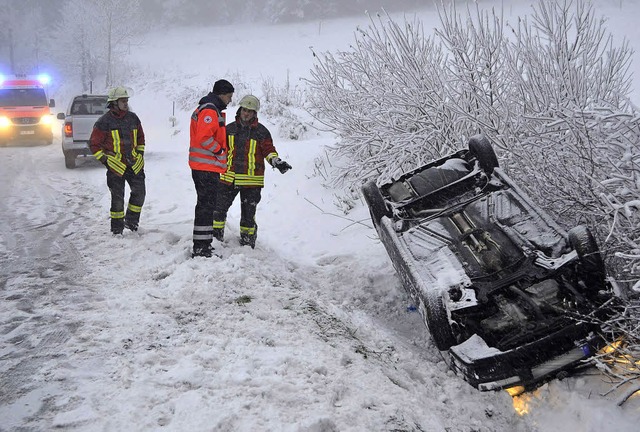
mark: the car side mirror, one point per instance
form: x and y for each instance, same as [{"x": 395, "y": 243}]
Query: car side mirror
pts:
[
  {"x": 61, "y": 116},
  {"x": 52, "y": 103}
]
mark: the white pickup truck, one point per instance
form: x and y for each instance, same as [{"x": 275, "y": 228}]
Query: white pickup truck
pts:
[{"x": 79, "y": 119}]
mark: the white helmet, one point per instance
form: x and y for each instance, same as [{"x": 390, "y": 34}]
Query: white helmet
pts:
[
  {"x": 117, "y": 93},
  {"x": 250, "y": 102}
]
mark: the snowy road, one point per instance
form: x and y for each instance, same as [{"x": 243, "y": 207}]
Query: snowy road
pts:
[
  {"x": 130, "y": 333},
  {"x": 309, "y": 332}
]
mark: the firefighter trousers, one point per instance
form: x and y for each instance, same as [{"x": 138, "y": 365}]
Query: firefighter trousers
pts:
[
  {"x": 206, "y": 184},
  {"x": 138, "y": 193},
  {"x": 249, "y": 199}
]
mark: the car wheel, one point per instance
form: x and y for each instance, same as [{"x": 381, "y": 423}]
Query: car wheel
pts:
[
  {"x": 375, "y": 201},
  {"x": 70, "y": 160},
  {"x": 437, "y": 321},
  {"x": 482, "y": 150},
  {"x": 591, "y": 264}
]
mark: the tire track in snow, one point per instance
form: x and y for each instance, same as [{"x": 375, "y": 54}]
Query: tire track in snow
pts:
[{"x": 41, "y": 286}]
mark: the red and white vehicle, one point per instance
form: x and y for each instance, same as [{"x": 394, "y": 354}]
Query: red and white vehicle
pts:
[{"x": 25, "y": 110}]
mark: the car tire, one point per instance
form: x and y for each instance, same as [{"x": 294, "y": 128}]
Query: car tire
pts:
[
  {"x": 437, "y": 321},
  {"x": 591, "y": 262},
  {"x": 375, "y": 201},
  {"x": 482, "y": 150},
  {"x": 69, "y": 160}
]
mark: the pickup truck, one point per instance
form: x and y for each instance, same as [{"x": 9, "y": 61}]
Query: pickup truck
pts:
[{"x": 84, "y": 110}]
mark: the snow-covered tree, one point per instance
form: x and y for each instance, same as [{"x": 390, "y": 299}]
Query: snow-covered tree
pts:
[
  {"x": 94, "y": 35},
  {"x": 550, "y": 93}
]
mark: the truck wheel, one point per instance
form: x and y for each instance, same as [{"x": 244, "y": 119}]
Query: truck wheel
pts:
[
  {"x": 70, "y": 160},
  {"x": 591, "y": 264},
  {"x": 375, "y": 201},
  {"x": 437, "y": 321},
  {"x": 481, "y": 148}
]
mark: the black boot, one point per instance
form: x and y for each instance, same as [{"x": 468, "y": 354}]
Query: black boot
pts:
[
  {"x": 131, "y": 225},
  {"x": 202, "y": 250},
  {"x": 117, "y": 226},
  {"x": 218, "y": 234},
  {"x": 248, "y": 240}
]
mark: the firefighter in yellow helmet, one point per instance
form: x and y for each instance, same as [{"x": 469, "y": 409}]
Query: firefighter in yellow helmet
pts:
[
  {"x": 250, "y": 144},
  {"x": 117, "y": 140}
]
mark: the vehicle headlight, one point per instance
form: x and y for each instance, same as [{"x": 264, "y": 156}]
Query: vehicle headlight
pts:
[
  {"x": 4, "y": 122},
  {"x": 46, "y": 119}
]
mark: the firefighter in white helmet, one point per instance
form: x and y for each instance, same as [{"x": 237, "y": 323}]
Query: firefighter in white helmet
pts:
[
  {"x": 250, "y": 144},
  {"x": 117, "y": 140}
]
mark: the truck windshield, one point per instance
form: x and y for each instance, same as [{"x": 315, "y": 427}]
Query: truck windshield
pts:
[
  {"x": 23, "y": 97},
  {"x": 89, "y": 106}
]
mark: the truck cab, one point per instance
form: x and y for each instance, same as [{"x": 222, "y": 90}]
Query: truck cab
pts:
[{"x": 25, "y": 114}]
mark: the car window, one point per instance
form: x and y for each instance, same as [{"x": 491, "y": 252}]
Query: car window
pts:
[{"x": 89, "y": 106}]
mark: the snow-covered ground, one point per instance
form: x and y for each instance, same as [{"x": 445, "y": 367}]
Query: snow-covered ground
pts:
[{"x": 311, "y": 331}]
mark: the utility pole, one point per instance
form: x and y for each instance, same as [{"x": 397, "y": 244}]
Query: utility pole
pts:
[{"x": 11, "y": 54}]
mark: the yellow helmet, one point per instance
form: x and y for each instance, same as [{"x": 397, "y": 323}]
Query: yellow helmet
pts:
[
  {"x": 117, "y": 93},
  {"x": 250, "y": 102}
]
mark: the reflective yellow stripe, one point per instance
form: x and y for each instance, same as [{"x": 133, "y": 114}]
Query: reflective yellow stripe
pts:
[
  {"x": 115, "y": 136},
  {"x": 115, "y": 164},
  {"x": 135, "y": 138},
  {"x": 134, "y": 208},
  {"x": 218, "y": 224},
  {"x": 117, "y": 215},
  {"x": 138, "y": 165},
  {"x": 251, "y": 158},
  {"x": 247, "y": 230},
  {"x": 249, "y": 180},
  {"x": 271, "y": 156},
  {"x": 231, "y": 141},
  {"x": 228, "y": 176}
]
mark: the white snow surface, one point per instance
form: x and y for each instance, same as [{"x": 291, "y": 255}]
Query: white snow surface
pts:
[{"x": 311, "y": 331}]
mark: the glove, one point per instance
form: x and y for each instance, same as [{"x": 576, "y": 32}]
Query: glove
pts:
[
  {"x": 280, "y": 165},
  {"x": 103, "y": 160}
]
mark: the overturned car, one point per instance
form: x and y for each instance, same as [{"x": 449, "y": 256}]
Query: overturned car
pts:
[{"x": 508, "y": 296}]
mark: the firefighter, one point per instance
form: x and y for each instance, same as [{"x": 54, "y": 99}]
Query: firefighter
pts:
[
  {"x": 207, "y": 160},
  {"x": 117, "y": 140},
  {"x": 250, "y": 144}
]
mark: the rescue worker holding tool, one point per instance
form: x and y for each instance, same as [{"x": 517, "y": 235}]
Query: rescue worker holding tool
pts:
[
  {"x": 208, "y": 160},
  {"x": 117, "y": 141},
  {"x": 250, "y": 144}
]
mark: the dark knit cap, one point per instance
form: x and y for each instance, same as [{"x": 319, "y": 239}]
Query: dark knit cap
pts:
[{"x": 223, "y": 87}]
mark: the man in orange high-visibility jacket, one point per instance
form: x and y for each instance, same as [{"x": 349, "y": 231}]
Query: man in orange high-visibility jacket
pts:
[
  {"x": 207, "y": 160},
  {"x": 117, "y": 140}
]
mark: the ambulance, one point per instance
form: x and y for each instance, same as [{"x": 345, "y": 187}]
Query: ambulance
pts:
[{"x": 25, "y": 114}]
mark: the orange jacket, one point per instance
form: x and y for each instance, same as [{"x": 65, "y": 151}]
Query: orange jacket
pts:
[{"x": 208, "y": 147}]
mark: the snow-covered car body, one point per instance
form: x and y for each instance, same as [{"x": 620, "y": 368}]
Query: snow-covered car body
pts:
[{"x": 508, "y": 296}]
